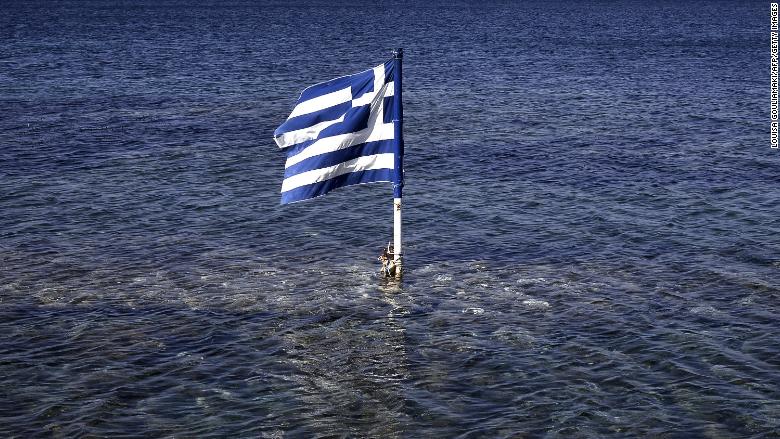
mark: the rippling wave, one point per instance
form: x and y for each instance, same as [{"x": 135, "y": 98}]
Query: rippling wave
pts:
[{"x": 590, "y": 226}]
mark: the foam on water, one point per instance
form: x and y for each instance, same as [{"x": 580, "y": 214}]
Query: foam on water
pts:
[{"x": 536, "y": 304}]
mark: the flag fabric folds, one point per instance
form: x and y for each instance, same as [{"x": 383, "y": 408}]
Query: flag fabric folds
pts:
[{"x": 339, "y": 133}]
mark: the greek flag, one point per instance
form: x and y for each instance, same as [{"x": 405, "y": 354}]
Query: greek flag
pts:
[{"x": 339, "y": 133}]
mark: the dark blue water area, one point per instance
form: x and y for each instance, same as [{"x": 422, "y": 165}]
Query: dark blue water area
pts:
[{"x": 590, "y": 223}]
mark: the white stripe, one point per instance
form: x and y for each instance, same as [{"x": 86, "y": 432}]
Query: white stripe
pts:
[
  {"x": 322, "y": 102},
  {"x": 390, "y": 90},
  {"x": 309, "y": 133},
  {"x": 376, "y": 130},
  {"x": 365, "y": 163},
  {"x": 383, "y": 131},
  {"x": 379, "y": 81}
]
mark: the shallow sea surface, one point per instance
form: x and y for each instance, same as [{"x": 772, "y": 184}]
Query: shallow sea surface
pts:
[{"x": 592, "y": 224}]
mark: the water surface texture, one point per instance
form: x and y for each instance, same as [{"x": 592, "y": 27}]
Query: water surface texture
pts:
[{"x": 591, "y": 223}]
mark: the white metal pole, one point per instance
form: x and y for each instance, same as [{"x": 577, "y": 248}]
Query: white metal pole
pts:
[{"x": 397, "y": 251}]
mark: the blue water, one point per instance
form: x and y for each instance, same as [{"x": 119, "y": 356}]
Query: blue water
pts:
[{"x": 592, "y": 224}]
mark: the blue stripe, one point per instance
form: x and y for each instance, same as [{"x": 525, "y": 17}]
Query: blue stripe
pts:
[
  {"x": 355, "y": 120},
  {"x": 322, "y": 188},
  {"x": 355, "y": 81},
  {"x": 298, "y": 147},
  {"x": 307, "y": 120},
  {"x": 389, "y": 71},
  {"x": 359, "y": 88},
  {"x": 340, "y": 156},
  {"x": 387, "y": 103}
]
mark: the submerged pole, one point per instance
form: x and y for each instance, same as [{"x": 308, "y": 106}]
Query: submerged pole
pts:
[{"x": 398, "y": 177}]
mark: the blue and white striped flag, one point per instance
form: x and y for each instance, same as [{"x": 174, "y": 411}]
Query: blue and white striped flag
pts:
[{"x": 340, "y": 133}]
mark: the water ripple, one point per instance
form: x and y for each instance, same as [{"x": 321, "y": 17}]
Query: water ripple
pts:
[{"x": 590, "y": 226}]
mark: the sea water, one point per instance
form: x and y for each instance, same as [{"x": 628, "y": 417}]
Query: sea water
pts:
[{"x": 591, "y": 223}]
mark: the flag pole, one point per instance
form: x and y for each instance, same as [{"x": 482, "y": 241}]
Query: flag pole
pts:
[{"x": 398, "y": 176}]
